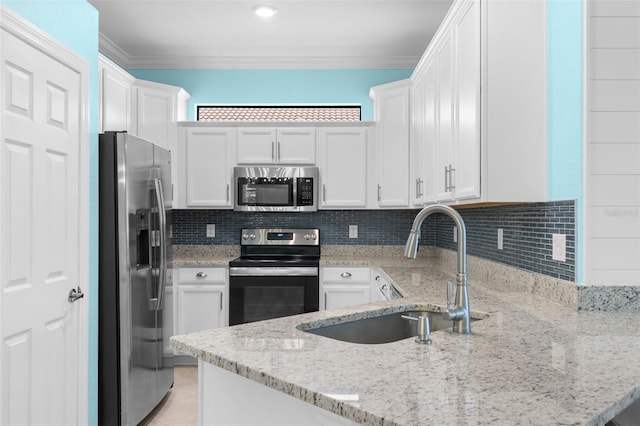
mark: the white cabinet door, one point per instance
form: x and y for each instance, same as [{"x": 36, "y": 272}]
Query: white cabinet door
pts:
[
  {"x": 466, "y": 178},
  {"x": 430, "y": 146},
  {"x": 344, "y": 286},
  {"x": 201, "y": 304},
  {"x": 296, "y": 146},
  {"x": 342, "y": 156},
  {"x": 256, "y": 146},
  {"x": 115, "y": 96},
  {"x": 276, "y": 146},
  {"x": 391, "y": 105},
  {"x": 200, "y": 307},
  {"x": 445, "y": 118},
  {"x": 205, "y": 169},
  {"x": 417, "y": 140},
  {"x": 340, "y": 296},
  {"x": 158, "y": 108}
]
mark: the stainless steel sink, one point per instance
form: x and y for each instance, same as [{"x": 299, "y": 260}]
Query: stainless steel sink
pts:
[{"x": 380, "y": 329}]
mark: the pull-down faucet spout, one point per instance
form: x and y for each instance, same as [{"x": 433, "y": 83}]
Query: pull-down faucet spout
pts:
[{"x": 460, "y": 313}]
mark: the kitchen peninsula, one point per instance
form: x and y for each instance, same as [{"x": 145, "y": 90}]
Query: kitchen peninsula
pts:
[{"x": 531, "y": 360}]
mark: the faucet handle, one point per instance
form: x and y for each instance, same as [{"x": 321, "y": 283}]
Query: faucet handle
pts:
[{"x": 450, "y": 295}]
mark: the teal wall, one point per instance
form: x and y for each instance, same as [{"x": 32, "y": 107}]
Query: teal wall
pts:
[
  {"x": 565, "y": 70},
  {"x": 74, "y": 23},
  {"x": 277, "y": 86}
]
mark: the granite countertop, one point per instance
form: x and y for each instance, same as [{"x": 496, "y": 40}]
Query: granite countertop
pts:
[{"x": 530, "y": 361}]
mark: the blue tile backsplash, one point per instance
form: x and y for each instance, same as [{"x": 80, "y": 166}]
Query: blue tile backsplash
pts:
[{"x": 527, "y": 228}]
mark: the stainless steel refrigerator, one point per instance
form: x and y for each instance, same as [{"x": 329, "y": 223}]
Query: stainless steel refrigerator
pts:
[{"x": 135, "y": 362}]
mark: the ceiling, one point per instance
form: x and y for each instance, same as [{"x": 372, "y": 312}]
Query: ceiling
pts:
[{"x": 303, "y": 34}]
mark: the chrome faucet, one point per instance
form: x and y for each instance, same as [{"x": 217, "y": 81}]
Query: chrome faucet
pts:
[{"x": 459, "y": 311}]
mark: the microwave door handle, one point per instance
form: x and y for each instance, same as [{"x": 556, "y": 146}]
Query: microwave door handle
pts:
[{"x": 162, "y": 273}]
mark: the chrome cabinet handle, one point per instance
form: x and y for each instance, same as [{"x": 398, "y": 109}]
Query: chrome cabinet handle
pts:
[
  {"x": 379, "y": 189},
  {"x": 346, "y": 275},
  {"x": 324, "y": 193},
  {"x": 228, "y": 192},
  {"x": 201, "y": 275},
  {"x": 75, "y": 295},
  {"x": 452, "y": 184},
  {"x": 221, "y": 308},
  {"x": 273, "y": 151},
  {"x": 448, "y": 178}
]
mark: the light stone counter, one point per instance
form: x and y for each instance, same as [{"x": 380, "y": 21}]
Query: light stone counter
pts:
[{"x": 530, "y": 361}]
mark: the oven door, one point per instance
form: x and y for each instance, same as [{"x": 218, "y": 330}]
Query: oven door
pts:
[{"x": 260, "y": 293}]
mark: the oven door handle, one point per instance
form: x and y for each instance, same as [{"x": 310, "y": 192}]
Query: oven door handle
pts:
[{"x": 273, "y": 271}]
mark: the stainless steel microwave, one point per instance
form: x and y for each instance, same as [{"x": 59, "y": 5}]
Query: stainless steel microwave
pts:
[{"x": 275, "y": 188}]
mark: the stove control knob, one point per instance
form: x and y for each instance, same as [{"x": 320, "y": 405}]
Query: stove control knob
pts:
[
  {"x": 314, "y": 236},
  {"x": 252, "y": 236},
  {"x": 245, "y": 236},
  {"x": 307, "y": 237}
]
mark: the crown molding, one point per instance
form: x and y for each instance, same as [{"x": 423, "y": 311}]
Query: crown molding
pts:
[
  {"x": 113, "y": 51},
  {"x": 123, "y": 59},
  {"x": 288, "y": 62}
]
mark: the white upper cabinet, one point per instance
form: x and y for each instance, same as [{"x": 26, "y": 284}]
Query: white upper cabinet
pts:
[
  {"x": 158, "y": 108},
  {"x": 478, "y": 123},
  {"x": 206, "y": 164},
  {"x": 465, "y": 180},
  {"x": 342, "y": 162},
  {"x": 115, "y": 97},
  {"x": 391, "y": 113},
  {"x": 276, "y": 145}
]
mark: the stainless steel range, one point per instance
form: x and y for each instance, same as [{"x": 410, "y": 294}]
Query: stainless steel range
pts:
[{"x": 276, "y": 274}]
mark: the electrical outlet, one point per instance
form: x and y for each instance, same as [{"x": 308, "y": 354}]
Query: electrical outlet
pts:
[
  {"x": 455, "y": 234},
  {"x": 353, "y": 231},
  {"x": 211, "y": 230},
  {"x": 500, "y": 239},
  {"x": 559, "y": 247}
]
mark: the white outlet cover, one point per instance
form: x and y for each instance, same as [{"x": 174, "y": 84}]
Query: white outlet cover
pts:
[
  {"x": 500, "y": 239},
  {"x": 559, "y": 252},
  {"x": 353, "y": 231},
  {"x": 211, "y": 230},
  {"x": 455, "y": 234}
]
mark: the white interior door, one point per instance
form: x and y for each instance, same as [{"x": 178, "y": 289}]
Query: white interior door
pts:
[{"x": 43, "y": 229}]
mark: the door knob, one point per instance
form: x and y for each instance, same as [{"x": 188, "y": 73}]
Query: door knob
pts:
[{"x": 75, "y": 295}]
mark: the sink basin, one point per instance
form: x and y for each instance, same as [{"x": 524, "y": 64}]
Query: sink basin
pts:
[{"x": 381, "y": 329}]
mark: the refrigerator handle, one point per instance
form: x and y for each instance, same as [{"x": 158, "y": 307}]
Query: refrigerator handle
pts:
[{"x": 162, "y": 275}]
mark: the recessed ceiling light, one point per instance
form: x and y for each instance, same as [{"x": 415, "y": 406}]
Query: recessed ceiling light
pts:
[{"x": 265, "y": 11}]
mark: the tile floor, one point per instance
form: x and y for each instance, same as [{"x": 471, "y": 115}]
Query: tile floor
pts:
[{"x": 180, "y": 406}]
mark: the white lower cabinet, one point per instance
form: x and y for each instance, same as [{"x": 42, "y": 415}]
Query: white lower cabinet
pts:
[
  {"x": 201, "y": 299},
  {"x": 344, "y": 286}
]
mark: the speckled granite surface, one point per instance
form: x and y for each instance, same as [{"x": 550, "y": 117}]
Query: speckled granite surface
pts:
[{"x": 531, "y": 361}]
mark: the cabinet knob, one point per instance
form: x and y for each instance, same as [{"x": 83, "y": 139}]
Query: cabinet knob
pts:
[
  {"x": 345, "y": 274},
  {"x": 201, "y": 275}
]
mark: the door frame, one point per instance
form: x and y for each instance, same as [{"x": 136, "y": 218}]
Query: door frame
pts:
[{"x": 34, "y": 36}]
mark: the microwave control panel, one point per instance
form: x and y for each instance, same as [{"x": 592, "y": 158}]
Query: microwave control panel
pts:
[{"x": 305, "y": 192}]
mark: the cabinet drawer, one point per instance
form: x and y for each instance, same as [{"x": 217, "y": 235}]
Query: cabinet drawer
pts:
[
  {"x": 345, "y": 274},
  {"x": 202, "y": 275}
]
